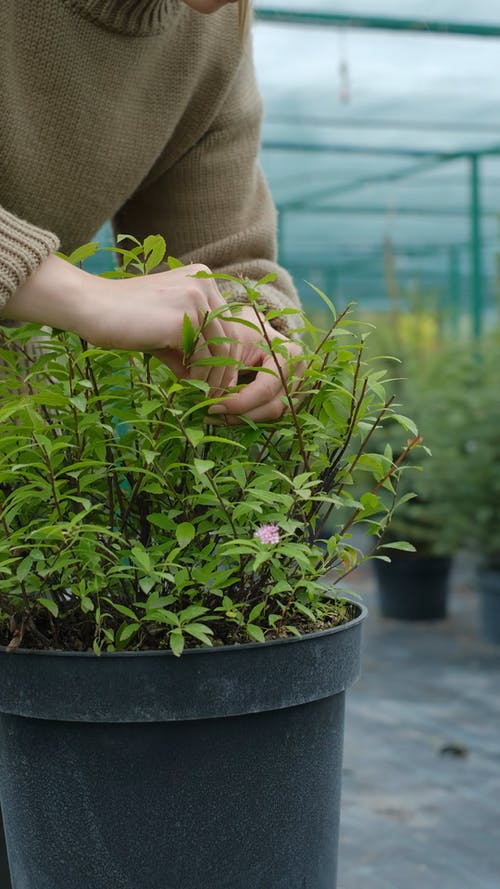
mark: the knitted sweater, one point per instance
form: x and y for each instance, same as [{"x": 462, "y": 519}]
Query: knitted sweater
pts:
[{"x": 140, "y": 111}]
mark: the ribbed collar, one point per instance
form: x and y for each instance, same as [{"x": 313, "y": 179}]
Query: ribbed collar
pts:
[{"x": 134, "y": 18}]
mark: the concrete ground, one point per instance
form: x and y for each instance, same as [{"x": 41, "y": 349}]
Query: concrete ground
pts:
[{"x": 421, "y": 787}]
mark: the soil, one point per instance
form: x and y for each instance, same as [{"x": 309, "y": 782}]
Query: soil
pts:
[{"x": 75, "y": 632}]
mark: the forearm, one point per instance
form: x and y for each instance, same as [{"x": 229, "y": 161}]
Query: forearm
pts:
[
  {"x": 23, "y": 248},
  {"x": 56, "y": 294}
]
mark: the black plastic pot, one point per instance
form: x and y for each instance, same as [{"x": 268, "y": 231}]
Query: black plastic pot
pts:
[
  {"x": 413, "y": 588},
  {"x": 489, "y": 603},
  {"x": 217, "y": 770},
  {"x": 4, "y": 865}
]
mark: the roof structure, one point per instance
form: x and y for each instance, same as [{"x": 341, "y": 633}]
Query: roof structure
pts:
[{"x": 381, "y": 144}]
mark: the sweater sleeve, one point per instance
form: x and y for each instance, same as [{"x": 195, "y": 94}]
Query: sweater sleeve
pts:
[
  {"x": 212, "y": 204},
  {"x": 23, "y": 247}
]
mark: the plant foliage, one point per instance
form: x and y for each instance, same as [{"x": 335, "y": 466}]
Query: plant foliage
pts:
[{"x": 129, "y": 520}]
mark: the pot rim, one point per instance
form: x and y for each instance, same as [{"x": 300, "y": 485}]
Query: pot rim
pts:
[{"x": 190, "y": 652}]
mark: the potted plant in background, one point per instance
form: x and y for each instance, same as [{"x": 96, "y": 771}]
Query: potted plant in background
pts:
[
  {"x": 475, "y": 492},
  {"x": 430, "y": 382},
  {"x": 175, "y": 653}
]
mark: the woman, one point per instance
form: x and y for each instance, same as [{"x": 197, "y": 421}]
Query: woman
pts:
[{"x": 145, "y": 112}]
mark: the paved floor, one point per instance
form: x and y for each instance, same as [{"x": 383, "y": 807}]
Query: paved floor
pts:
[{"x": 421, "y": 789}]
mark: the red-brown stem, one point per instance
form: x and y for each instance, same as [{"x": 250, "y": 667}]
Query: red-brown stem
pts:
[
  {"x": 417, "y": 439},
  {"x": 284, "y": 383}
]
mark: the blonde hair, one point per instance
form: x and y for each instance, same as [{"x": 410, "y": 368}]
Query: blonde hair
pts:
[{"x": 244, "y": 16}]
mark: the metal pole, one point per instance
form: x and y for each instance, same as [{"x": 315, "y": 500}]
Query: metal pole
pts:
[
  {"x": 454, "y": 288},
  {"x": 281, "y": 235},
  {"x": 377, "y": 22},
  {"x": 476, "y": 246}
]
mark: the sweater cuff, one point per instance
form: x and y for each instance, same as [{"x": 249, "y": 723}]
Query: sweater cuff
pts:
[
  {"x": 271, "y": 298},
  {"x": 23, "y": 247}
]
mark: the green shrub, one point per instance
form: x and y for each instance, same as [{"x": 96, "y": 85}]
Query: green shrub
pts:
[{"x": 129, "y": 520}]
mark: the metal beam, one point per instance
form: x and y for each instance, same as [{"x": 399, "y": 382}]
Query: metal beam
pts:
[
  {"x": 303, "y": 202},
  {"x": 427, "y": 163},
  {"x": 339, "y": 148},
  {"x": 454, "y": 288},
  {"x": 377, "y": 22},
  {"x": 374, "y": 210},
  {"x": 377, "y": 151},
  {"x": 369, "y": 123},
  {"x": 476, "y": 247}
]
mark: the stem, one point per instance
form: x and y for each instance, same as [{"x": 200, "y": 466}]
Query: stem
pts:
[
  {"x": 109, "y": 454},
  {"x": 136, "y": 487},
  {"x": 411, "y": 444},
  {"x": 210, "y": 480},
  {"x": 355, "y": 461},
  {"x": 284, "y": 384},
  {"x": 53, "y": 484}
]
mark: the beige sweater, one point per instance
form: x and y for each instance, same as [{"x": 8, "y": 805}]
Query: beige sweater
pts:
[{"x": 140, "y": 111}]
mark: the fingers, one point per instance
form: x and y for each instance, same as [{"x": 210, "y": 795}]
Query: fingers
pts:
[
  {"x": 212, "y": 346},
  {"x": 266, "y": 397},
  {"x": 263, "y": 390}
]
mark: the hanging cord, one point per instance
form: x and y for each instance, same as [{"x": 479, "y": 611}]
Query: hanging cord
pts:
[{"x": 343, "y": 68}]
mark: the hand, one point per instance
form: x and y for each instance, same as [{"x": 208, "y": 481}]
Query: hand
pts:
[
  {"x": 261, "y": 399},
  {"x": 147, "y": 313},
  {"x": 139, "y": 314}
]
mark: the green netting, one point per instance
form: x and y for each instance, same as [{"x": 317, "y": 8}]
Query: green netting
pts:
[
  {"x": 370, "y": 144},
  {"x": 382, "y": 150}
]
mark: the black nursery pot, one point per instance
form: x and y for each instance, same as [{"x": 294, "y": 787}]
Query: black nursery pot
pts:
[
  {"x": 413, "y": 588},
  {"x": 217, "y": 770},
  {"x": 489, "y": 599}
]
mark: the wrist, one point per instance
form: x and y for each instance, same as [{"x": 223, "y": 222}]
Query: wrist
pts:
[{"x": 57, "y": 294}]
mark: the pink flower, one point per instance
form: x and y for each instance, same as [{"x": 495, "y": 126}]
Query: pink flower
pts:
[{"x": 268, "y": 534}]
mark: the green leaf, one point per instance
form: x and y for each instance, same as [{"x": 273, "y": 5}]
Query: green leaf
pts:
[
  {"x": 293, "y": 631},
  {"x": 176, "y": 642},
  {"x": 192, "y": 611},
  {"x": 401, "y": 545},
  {"x": 219, "y": 361},
  {"x": 149, "y": 456},
  {"x": 407, "y": 424},
  {"x": 120, "y": 238},
  {"x": 125, "y": 633},
  {"x": 299, "y": 606},
  {"x": 203, "y": 466},
  {"x": 256, "y": 611},
  {"x": 154, "y": 251},
  {"x": 83, "y": 252},
  {"x": 371, "y": 504},
  {"x": 196, "y": 436},
  {"x": 239, "y": 474},
  {"x": 184, "y": 533},
  {"x": 278, "y": 313},
  {"x": 199, "y": 631},
  {"x": 328, "y": 303},
  {"x": 79, "y": 401},
  {"x": 142, "y": 559},
  {"x": 122, "y": 609},
  {"x": 256, "y": 633},
  {"x": 267, "y": 279},
  {"x": 161, "y": 520},
  {"x": 174, "y": 263},
  {"x": 282, "y": 586},
  {"x": 51, "y": 606},
  {"x": 147, "y": 583},
  {"x": 188, "y": 336},
  {"x": 24, "y": 568}
]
